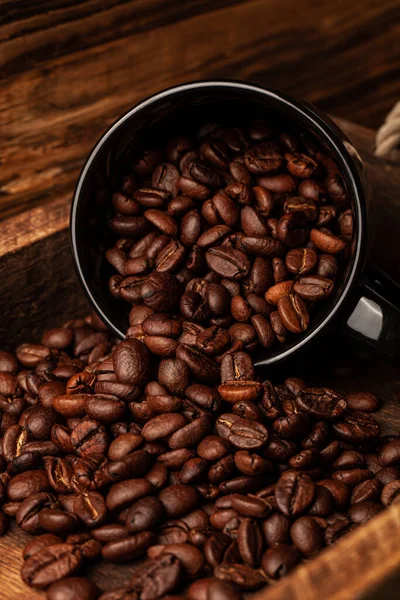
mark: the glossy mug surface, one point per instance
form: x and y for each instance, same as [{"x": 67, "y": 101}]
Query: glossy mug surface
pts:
[{"x": 182, "y": 109}]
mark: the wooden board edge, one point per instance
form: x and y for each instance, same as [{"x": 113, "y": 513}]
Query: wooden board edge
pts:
[{"x": 351, "y": 569}]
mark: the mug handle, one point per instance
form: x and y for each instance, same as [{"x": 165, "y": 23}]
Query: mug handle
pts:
[{"x": 375, "y": 319}]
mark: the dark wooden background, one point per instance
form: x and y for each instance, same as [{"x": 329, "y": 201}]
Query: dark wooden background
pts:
[{"x": 68, "y": 68}]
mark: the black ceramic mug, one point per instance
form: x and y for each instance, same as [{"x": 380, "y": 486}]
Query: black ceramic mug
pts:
[{"x": 364, "y": 304}]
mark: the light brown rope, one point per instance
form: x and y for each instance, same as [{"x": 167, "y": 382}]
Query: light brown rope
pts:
[{"x": 387, "y": 142}]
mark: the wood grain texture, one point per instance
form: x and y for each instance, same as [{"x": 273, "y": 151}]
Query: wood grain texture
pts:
[
  {"x": 35, "y": 260},
  {"x": 70, "y": 68}
]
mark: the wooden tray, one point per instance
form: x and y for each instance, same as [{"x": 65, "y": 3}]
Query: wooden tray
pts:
[{"x": 39, "y": 287}]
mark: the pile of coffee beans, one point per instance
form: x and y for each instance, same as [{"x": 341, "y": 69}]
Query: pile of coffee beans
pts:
[
  {"x": 249, "y": 229},
  {"x": 218, "y": 482}
]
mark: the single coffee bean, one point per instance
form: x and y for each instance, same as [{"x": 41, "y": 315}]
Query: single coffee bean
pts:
[
  {"x": 294, "y": 313},
  {"x": 57, "y": 521},
  {"x": 247, "y": 434},
  {"x": 51, "y": 564},
  {"x": 242, "y": 576},
  {"x": 338, "y": 489},
  {"x": 366, "y": 490},
  {"x": 131, "y": 361},
  {"x": 294, "y": 493},
  {"x": 362, "y": 401},
  {"x": 321, "y": 403},
  {"x": 25, "y": 484},
  {"x": 73, "y": 587},
  {"x": 202, "y": 367},
  {"x": 41, "y": 541},
  {"x": 250, "y": 542},
  {"x": 178, "y": 500},
  {"x": 361, "y": 512},
  {"x": 307, "y": 536},
  {"x": 327, "y": 242},
  {"x": 357, "y": 427},
  {"x": 279, "y": 560},
  {"x": 128, "y": 548}
]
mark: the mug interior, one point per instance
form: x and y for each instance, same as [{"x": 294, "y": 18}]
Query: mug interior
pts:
[{"x": 183, "y": 110}]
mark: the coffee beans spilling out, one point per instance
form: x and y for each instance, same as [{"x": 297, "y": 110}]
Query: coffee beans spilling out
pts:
[
  {"x": 248, "y": 230},
  {"x": 217, "y": 481}
]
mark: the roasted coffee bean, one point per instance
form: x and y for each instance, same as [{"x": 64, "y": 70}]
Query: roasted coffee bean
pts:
[
  {"x": 202, "y": 367},
  {"x": 178, "y": 500},
  {"x": 107, "y": 409},
  {"x": 190, "y": 434},
  {"x": 51, "y": 564},
  {"x": 234, "y": 391},
  {"x": 128, "y": 548},
  {"x": 391, "y": 493},
  {"x": 337, "y": 530},
  {"x": 237, "y": 366},
  {"x": 276, "y": 529},
  {"x": 323, "y": 503},
  {"x": 321, "y": 403},
  {"x": 366, "y": 490},
  {"x": 390, "y": 454},
  {"x": 56, "y": 521},
  {"x": 90, "y": 508},
  {"x": 190, "y": 557},
  {"x": 352, "y": 477},
  {"x": 294, "y": 313},
  {"x": 242, "y": 576},
  {"x": 357, "y": 427},
  {"x": 307, "y": 536},
  {"x": 318, "y": 436},
  {"x": 25, "y": 484},
  {"x": 247, "y": 410},
  {"x": 228, "y": 262},
  {"x": 89, "y": 436},
  {"x": 362, "y": 401},
  {"x": 250, "y": 506},
  {"x": 250, "y": 542},
  {"x": 203, "y": 396},
  {"x": 73, "y": 587},
  {"x": 388, "y": 474},
  {"x": 39, "y": 542},
  {"x": 251, "y": 463},
  {"x": 162, "y": 426},
  {"x": 263, "y": 159},
  {"x": 327, "y": 242},
  {"x": 294, "y": 493},
  {"x": 247, "y": 435},
  {"x": 131, "y": 362},
  {"x": 338, "y": 490},
  {"x": 155, "y": 578},
  {"x": 29, "y": 510},
  {"x": 361, "y": 512},
  {"x": 349, "y": 459},
  {"x": 125, "y": 493},
  {"x": 144, "y": 514},
  {"x": 279, "y": 560},
  {"x": 124, "y": 444},
  {"x": 313, "y": 287}
]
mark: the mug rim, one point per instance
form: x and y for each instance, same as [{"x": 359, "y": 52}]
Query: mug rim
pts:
[{"x": 328, "y": 130}]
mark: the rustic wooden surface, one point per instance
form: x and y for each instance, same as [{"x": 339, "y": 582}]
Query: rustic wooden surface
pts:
[
  {"x": 35, "y": 261},
  {"x": 68, "y": 69}
]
